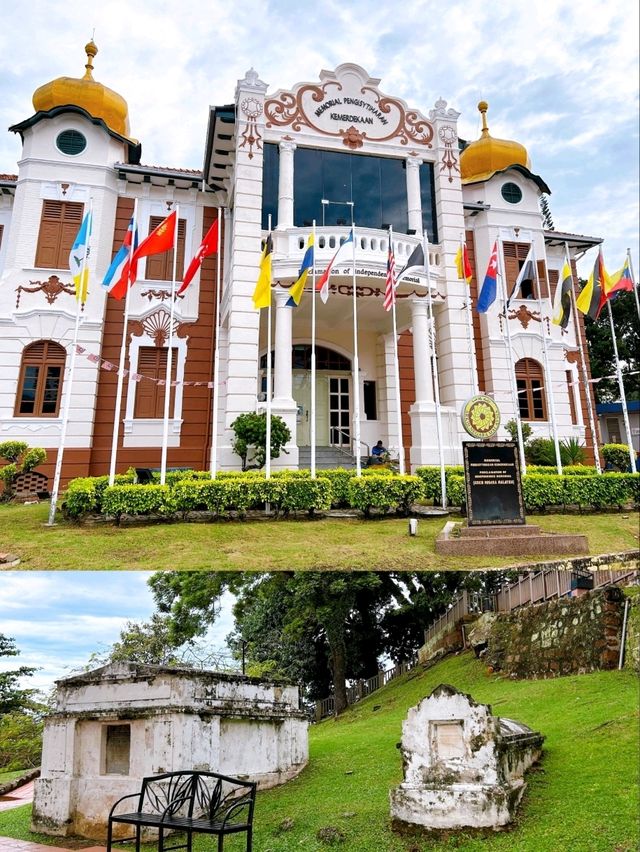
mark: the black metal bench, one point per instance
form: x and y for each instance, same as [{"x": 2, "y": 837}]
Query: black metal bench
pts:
[{"x": 189, "y": 803}]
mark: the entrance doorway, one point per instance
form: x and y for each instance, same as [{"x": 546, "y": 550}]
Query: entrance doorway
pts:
[{"x": 339, "y": 411}]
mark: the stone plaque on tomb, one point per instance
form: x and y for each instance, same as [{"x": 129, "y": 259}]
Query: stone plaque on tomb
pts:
[{"x": 492, "y": 483}]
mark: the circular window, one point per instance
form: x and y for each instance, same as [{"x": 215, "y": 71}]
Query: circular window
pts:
[
  {"x": 71, "y": 142},
  {"x": 512, "y": 193}
]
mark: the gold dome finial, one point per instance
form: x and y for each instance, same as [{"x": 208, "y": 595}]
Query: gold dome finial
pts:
[
  {"x": 481, "y": 159},
  {"x": 483, "y": 106},
  {"x": 91, "y": 50}
]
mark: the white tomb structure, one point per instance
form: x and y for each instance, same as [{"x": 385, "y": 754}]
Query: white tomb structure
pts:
[
  {"x": 462, "y": 766},
  {"x": 117, "y": 724}
]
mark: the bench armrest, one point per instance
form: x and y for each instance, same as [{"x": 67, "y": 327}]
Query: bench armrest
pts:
[
  {"x": 173, "y": 805},
  {"x": 130, "y": 796},
  {"x": 245, "y": 803}
]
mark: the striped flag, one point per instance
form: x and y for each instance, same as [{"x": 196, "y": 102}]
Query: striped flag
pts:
[
  {"x": 122, "y": 273},
  {"x": 296, "y": 291},
  {"x": 562, "y": 297},
  {"x": 262, "y": 292},
  {"x": 390, "y": 284},
  {"x": 78, "y": 257},
  {"x": 322, "y": 285}
]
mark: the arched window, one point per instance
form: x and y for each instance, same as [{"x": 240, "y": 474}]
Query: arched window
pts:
[
  {"x": 530, "y": 382},
  {"x": 40, "y": 383}
]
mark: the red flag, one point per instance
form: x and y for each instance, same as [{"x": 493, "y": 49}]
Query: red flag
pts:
[
  {"x": 159, "y": 240},
  {"x": 209, "y": 245},
  {"x": 390, "y": 284}
]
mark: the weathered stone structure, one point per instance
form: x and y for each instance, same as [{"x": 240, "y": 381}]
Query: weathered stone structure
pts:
[
  {"x": 462, "y": 766},
  {"x": 117, "y": 724},
  {"x": 560, "y": 637}
]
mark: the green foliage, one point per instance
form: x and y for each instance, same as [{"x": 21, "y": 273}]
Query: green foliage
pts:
[
  {"x": 430, "y": 477},
  {"x": 251, "y": 435},
  {"x": 21, "y": 459},
  {"x": 572, "y": 452},
  {"x": 456, "y": 491},
  {"x": 84, "y": 495},
  {"x": 20, "y": 741},
  {"x": 137, "y": 500},
  {"x": 616, "y": 455},
  {"x": 12, "y": 450},
  {"x": 384, "y": 493},
  {"x": 540, "y": 491},
  {"x": 12, "y": 697},
  {"x": 306, "y": 495},
  {"x": 601, "y": 355},
  {"x": 512, "y": 428},
  {"x": 606, "y": 490}
]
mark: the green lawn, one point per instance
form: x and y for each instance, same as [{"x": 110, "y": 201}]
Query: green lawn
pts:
[
  {"x": 583, "y": 797},
  {"x": 335, "y": 544}
]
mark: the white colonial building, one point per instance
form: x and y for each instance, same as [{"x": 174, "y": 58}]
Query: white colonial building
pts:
[{"x": 331, "y": 152}]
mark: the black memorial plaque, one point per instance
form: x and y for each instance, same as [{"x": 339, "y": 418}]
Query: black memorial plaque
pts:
[{"x": 492, "y": 482}]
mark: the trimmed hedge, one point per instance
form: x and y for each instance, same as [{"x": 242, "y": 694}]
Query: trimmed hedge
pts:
[
  {"x": 384, "y": 493},
  {"x": 121, "y": 500}
]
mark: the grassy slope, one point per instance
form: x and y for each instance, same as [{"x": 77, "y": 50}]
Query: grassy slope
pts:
[
  {"x": 583, "y": 798},
  {"x": 262, "y": 546}
]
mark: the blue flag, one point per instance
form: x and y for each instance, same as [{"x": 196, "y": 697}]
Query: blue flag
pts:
[{"x": 488, "y": 293}]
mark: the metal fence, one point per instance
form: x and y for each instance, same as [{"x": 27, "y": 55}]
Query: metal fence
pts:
[{"x": 362, "y": 688}]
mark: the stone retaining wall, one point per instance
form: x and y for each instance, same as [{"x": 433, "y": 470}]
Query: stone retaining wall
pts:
[{"x": 566, "y": 636}]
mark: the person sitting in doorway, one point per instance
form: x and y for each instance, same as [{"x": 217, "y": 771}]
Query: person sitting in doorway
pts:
[{"x": 379, "y": 454}]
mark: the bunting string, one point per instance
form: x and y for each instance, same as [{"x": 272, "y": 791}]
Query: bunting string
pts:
[{"x": 138, "y": 377}]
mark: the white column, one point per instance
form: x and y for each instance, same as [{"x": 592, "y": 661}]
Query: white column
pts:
[
  {"x": 285, "y": 185},
  {"x": 282, "y": 379},
  {"x": 414, "y": 199},
  {"x": 421, "y": 351}
]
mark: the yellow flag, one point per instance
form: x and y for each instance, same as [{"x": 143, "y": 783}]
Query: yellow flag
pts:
[{"x": 262, "y": 293}]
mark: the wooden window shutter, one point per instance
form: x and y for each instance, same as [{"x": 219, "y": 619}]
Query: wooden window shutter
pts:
[
  {"x": 542, "y": 277},
  {"x": 152, "y": 363},
  {"x": 59, "y": 225},
  {"x": 160, "y": 266}
]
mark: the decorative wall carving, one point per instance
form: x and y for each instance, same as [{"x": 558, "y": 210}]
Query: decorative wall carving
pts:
[
  {"x": 348, "y": 97},
  {"x": 157, "y": 326},
  {"x": 524, "y": 315},
  {"x": 252, "y": 108},
  {"x": 449, "y": 161},
  {"x": 161, "y": 295},
  {"x": 51, "y": 288}
]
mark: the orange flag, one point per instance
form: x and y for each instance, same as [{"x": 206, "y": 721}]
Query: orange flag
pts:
[{"x": 159, "y": 240}]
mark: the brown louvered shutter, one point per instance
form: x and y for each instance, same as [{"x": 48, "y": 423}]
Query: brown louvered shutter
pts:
[
  {"x": 59, "y": 225},
  {"x": 160, "y": 266},
  {"x": 542, "y": 277},
  {"x": 152, "y": 363}
]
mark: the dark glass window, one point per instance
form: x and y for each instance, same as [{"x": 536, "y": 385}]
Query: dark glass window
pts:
[
  {"x": 376, "y": 185},
  {"x": 326, "y": 359},
  {"x": 511, "y": 192},
  {"x": 370, "y": 402},
  {"x": 40, "y": 379},
  {"x": 428, "y": 200},
  {"x": 270, "y": 178}
]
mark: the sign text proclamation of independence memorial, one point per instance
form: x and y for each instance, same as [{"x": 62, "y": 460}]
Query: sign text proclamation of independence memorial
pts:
[{"x": 492, "y": 481}]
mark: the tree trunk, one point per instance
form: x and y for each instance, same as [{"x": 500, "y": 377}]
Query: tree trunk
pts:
[{"x": 339, "y": 671}]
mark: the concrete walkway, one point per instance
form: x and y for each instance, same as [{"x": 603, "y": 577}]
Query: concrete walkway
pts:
[
  {"x": 7, "y": 844},
  {"x": 20, "y": 796}
]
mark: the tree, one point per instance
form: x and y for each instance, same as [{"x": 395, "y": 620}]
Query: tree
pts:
[
  {"x": 601, "y": 355},
  {"x": 547, "y": 221},
  {"x": 251, "y": 437},
  {"x": 13, "y": 698},
  {"x": 318, "y": 628},
  {"x": 21, "y": 459}
]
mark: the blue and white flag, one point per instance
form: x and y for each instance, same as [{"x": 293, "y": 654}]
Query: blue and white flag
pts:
[
  {"x": 122, "y": 272},
  {"x": 79, "y": 257}
]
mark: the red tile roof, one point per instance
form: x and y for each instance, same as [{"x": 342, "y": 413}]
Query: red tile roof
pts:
[{"x": 8, "y": 177}]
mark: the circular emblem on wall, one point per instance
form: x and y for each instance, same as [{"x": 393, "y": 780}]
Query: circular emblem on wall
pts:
[
  {"x": 481, "y": 417},
  {"x": 251, "y": 107}
]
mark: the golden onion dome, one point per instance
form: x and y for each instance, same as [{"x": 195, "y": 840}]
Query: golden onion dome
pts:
[
  {"x": 481, "y": 159},
  {"x": 98, "y": 100}
]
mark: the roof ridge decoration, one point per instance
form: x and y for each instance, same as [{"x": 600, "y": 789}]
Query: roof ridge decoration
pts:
[{"x": 347, "y": 104}]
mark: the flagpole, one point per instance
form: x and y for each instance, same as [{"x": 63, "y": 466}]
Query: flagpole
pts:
[
  {"x": 216, "y": 359},
  {"x": 623, "y": 397},
  {"x": 123, "y": 349},
  {"x": 583, "y": 365},
  {"x": 356, "y": 363},
  {"x": 434, "y": 369},
  {"x": 472, "y": 358},
  {"x": 635, "y": 284},
  {"x": 69, "y": 382},
  {"x": 313, "y": 356},
  {"x": 167, "y": 390},
  {"x": 511, "y": 363},
  {"x": 396, "y": 366},
  {"x": 545, "y": 355},
  {"x": 267, "y": 470}
]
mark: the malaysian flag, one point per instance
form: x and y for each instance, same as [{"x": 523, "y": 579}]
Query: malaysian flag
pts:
[{"x": 390, "y": 284}]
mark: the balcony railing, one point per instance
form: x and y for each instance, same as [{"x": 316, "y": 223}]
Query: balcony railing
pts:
[{"x": 371, "y": 247}]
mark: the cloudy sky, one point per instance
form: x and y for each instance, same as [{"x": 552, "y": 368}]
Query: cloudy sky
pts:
[
  {"x": 58, "y": 619},
  {"x": 560, "y": 77}
]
